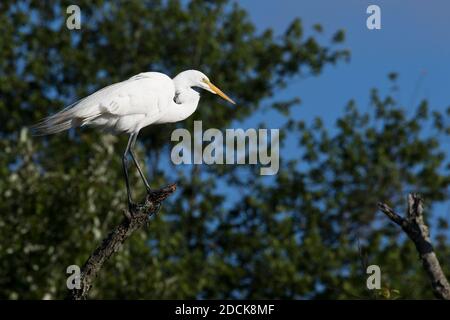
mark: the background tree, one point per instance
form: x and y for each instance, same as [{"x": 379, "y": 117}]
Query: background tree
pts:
[{"x": 306, "y": 233}]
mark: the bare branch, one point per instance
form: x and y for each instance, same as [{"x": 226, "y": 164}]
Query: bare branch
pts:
[
  {"x": 111, "y": 244},
  {"x": 416, "y": 229}
]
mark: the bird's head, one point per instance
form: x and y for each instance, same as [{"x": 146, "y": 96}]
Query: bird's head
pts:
[{"x": 194, "y": 78}]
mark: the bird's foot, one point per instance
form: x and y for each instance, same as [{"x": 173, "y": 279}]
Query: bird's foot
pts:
[
  {"x": 152, "y": 202},
  {"x": 134, "y": 210},
  {"x": 132, "y": 207}
]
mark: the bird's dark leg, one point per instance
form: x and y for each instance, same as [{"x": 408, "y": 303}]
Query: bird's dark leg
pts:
[
  {"x": 133, "y": 156},
  {"x": 125, "y": 170}
]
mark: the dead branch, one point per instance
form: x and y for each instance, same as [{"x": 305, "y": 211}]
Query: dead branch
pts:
[
  {"x": 111, "y": 244},
  {"x": 416, "y": 229}
]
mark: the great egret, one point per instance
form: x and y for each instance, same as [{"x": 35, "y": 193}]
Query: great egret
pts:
[{"x": 128, "y": 106}]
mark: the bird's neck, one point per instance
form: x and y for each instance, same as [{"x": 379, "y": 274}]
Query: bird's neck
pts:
[{"x": 185, "y": 103}]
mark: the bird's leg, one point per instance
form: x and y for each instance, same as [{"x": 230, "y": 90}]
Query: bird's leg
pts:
[
  {"x": 125, "y": 170},
  {"x": 133, "y": 156}
]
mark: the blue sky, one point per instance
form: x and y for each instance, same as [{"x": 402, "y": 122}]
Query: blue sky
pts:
[{"x": 413, "y": 42}]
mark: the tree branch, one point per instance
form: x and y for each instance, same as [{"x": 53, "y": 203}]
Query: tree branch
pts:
[
  {"x": 111, "y": 244},
  {"x": 416, "y": 229}
]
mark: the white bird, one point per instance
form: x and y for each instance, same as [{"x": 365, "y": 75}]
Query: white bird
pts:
[{"x": 128, "y": 106}]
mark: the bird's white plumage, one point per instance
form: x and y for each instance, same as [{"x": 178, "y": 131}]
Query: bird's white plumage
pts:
[
  {"x": 126, "y": 106},
  {"x": 130, "y": 105},
  {"x": 134, "y": 104}
]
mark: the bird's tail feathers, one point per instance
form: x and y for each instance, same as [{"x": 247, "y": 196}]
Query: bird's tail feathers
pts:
[{"x": 64, "y": 120}]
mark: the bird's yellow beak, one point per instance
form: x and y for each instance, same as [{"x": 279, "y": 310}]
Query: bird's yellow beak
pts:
[{"x": 214, "y": 89}]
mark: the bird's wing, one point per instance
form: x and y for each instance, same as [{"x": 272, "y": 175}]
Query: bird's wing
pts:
[
  {"x": 140, "y": 94},
  {"x": 143, "y": 94}
]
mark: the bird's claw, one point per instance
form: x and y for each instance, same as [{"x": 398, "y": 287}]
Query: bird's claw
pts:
[{"x": 132, "y": 207}]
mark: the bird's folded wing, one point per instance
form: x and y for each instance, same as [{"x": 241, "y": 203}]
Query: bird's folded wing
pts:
[{"x": 141, "y": 94}]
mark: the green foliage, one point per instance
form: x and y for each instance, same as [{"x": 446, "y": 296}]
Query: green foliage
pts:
[{"x": 306, "y": 234}]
